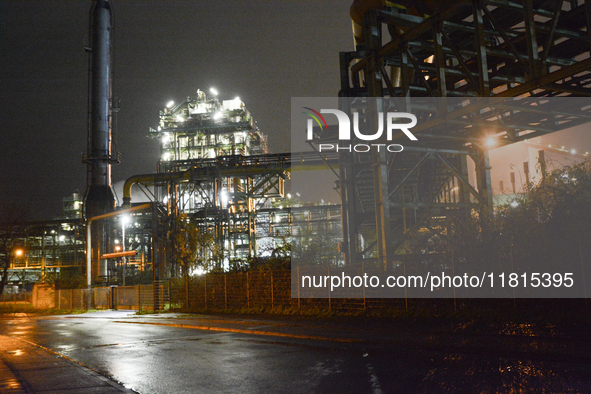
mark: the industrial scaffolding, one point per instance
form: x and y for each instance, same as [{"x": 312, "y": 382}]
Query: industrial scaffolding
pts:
[
  {"x": 465, "y": 49},
  {"x": 214, "y": 169}
]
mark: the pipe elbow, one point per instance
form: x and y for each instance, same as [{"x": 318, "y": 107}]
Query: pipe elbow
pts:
[
  {"x": 129, "y": 184},
  {"x": 357, "y": 11}
]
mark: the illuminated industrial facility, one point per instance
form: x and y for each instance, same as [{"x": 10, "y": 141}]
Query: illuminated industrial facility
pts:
[{"x": 215, "y": 170}]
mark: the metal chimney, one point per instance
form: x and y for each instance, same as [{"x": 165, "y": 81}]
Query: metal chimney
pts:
[{"x": 99, "y": 194}]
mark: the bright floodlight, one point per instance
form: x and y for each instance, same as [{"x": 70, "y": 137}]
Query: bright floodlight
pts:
[
  {"x": 491, "y": 142},
  {"x": 170, "y": 104},
  {"x": 19, "y": 252},
  {"x": 199, "y": 271},
  {"x": 213, "y": 91},
  {"x": 125, "y": 219}
]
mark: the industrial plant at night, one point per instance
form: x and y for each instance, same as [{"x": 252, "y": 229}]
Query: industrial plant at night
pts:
[
  {"x": 215, "y": 171},
  {"x": 249, "y": 197}
]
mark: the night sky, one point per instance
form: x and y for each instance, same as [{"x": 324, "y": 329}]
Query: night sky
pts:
[{"x": 263, "y": 51}]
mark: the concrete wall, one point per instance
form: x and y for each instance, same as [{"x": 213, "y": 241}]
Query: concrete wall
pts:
[{"x": 43, "y": 296}]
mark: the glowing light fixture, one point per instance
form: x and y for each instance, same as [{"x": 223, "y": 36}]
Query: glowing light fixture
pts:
[
  {"x": 213, "y": 91},
  {"x": 169, "y": 104},
  {"x": 491, "y": 142},
  {"x": 199, "y": 271},
  {"x": 19, "y": 252}
]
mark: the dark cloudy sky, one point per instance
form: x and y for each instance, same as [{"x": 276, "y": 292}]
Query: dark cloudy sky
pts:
[{"x": 263, "y": 51}]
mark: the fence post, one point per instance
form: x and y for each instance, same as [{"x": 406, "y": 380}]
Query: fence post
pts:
[
  {"x": 272, "y": 300},
  {"x": 405, "y": 288},
  {"x": 363, "y": 287},
  {"x": 187, "y": 292},
  {"x": 298, "y": 284},
  {"x": 329, "y": 304},
  {"x": 205, "y": 278},
  {"x": 247, "y": 292},
  {"x": 59, "y": 299},
  {"x": 225, "y": 291},
  {"x": 169, "y": 301}
]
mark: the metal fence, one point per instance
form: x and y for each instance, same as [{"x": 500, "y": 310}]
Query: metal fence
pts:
[
  {"x": 139, "y": 297},
  {"x": 255, "y": 290},
  {"x": 260, "y": 290},
  {"x": 16, "y": 298}
]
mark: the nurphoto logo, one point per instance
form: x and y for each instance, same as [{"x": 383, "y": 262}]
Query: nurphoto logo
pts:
[{"x": 394, "y": 121}]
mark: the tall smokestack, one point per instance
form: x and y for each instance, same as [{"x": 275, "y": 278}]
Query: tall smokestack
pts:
[{"x": 99, "y": 194}]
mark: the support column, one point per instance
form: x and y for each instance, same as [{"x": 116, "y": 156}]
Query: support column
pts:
[
  {"x": 374, "y": 84},
  {"x": 155, "y": 257},
  {"x": 350, "y": 245},
  {"x": 483, "y": 180},
  {"x": 483, "y": 82}
]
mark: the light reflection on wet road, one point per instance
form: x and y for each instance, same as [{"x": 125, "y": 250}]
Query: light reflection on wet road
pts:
[{"x": 382, "y": 359}]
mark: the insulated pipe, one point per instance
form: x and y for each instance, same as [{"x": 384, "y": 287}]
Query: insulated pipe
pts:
[
  {"x": 357, "y": 11},
  {"x": 150, "y": 179},
  {"x": 209, "y": 173},
  {"x": 417, "y": 8}
]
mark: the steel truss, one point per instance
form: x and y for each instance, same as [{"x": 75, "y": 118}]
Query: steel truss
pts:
[{"x": 490, "y": 49}]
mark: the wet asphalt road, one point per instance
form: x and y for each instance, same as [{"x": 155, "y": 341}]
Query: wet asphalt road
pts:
[{"x": 308, "y": 357}]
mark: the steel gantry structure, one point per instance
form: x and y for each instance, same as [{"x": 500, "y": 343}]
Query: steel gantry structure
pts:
[{"x": 472, "y": 71}]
